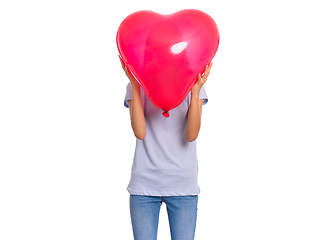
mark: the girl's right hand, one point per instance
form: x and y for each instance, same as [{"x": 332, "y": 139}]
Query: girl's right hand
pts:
[{"x": 128, "y": 74}]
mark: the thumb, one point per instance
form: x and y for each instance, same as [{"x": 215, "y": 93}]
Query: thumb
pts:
[{"x": 199, "y": 78}]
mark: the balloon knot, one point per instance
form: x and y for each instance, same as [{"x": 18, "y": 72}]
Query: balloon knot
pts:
[{"x": 165, "y": 114}]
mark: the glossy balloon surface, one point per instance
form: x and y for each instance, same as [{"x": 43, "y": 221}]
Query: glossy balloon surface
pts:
[{"x": 165, "y": 53}]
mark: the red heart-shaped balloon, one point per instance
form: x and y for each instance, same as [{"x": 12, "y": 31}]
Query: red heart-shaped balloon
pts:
[{"x": 165, "y": 53}]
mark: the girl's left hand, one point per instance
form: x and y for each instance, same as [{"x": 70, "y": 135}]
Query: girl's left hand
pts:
[{"x": 201, "y": 80}]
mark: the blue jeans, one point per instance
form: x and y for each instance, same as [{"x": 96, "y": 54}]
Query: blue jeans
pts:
[{"x": 182, "y": 213}]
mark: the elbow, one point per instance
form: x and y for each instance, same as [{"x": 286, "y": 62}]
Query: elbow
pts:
[
  {"x": 140, "y": 135},
  {"x": 192, "y": 133},
  {"x": 191, "y": 137},
  {"x": 139, "y": 130}
]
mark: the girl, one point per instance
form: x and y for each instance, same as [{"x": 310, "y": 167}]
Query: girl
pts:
[{"x": 165, "y": 163}]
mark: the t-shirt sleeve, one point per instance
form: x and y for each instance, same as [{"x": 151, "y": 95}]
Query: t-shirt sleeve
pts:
[
  {"x": 203, "y": 95},
  {"x": 128, "y": 94}
]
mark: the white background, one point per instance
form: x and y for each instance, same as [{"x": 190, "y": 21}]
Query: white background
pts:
[{"x": 267, "y": 144}]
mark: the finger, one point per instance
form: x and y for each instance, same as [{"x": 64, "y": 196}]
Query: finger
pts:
[
  {"x": 204, "y": 79},
  {"x": 128, "y": 73},
  {"x": 207, "y": 72},
  {"x": 122, "y": 62},
  {"x": 126, "y": 70},
  {"x": 209, "y": 68}
]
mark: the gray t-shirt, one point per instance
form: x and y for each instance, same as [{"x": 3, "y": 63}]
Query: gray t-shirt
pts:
[{"x": 165, "y": 162}]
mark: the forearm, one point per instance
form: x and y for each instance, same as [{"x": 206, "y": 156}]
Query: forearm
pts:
[
  {"x": 195, "y": 107},
  {"x": 194, "y": 117},
  {"x": 137, "y": 113}
]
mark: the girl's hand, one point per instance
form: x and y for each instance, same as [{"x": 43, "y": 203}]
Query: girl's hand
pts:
[
  {"x": 128, "y": 74},
  {"x": 201, "y": 80}
]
